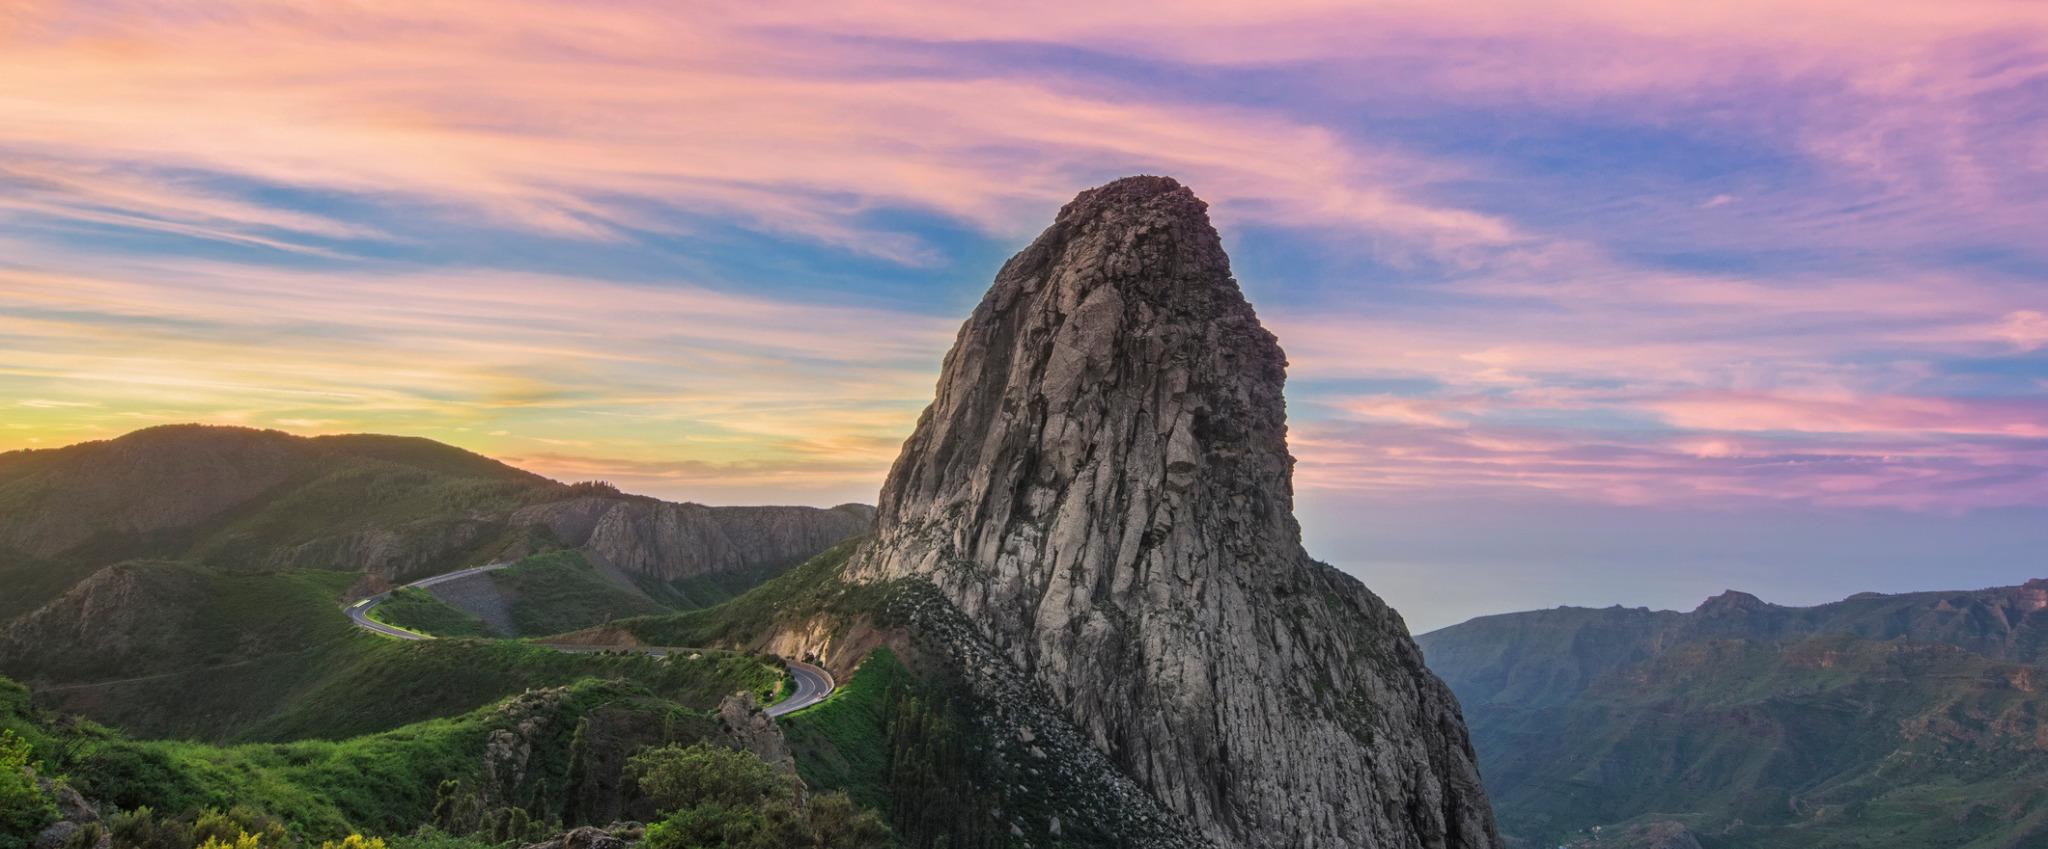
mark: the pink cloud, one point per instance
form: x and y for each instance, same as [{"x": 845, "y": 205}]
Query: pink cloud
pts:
[
  {"x": 572, "y": 120},
  {"x": 1856, "y": 414},
  {"x": 1668, "y": 469},
  {"x": 594, "y": 121}
]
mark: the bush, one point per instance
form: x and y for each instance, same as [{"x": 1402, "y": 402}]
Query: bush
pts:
[
  {"x": 238, "y": 827},
  {"x": 722, "y": 799},
  {"x": 836, "y": 822},
  {"x": 143, "y": 829},
  {"x": 676, "y": 777},
  {"x": 716, "y": 826},
  {"x": 25, "y": 808},
  {"x": 430, "y": 837}
]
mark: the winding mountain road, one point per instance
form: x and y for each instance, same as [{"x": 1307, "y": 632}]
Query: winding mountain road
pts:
[{"x": 813, "y": 684}]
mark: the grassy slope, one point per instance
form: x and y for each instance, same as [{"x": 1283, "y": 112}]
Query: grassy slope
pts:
[
  {"x": 808, "y": 590},
  {"x": 380, "y": 783},
  {"x": 418, "y": 610},
  {"x": 369, "y": 684},
  {"x": 329, "y": 487},
  {"x": 1812, "y": 742},
  {"x": 32, "y": 582},
  {"x": 841, "y": 743},
  {"x": 185, "y": 651},
  {"x": 559, "y": 591},
  {"x": 152, "y": 618},
  {"x": 349, "y": 494},
  {"x": 686, "y": 594},
  {"x": 1830, "y": 742}
]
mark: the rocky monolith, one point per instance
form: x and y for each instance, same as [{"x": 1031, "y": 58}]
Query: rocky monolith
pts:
[{"x": 1103, "y": 486}]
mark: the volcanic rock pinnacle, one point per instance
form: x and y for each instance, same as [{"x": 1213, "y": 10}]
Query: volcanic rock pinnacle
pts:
[{"x": 1103, "y": 485}]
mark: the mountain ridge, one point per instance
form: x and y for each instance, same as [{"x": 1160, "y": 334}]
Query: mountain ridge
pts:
[
  {"x": 1875, "y": 721},
  {"x": 392, "y": 508}
]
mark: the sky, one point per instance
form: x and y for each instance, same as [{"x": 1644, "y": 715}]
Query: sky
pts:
[{"x": 1586, "y": 301}]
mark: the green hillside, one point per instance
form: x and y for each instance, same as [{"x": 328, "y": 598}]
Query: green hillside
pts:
[
  {"x": 559, "y": 591},
  {"x": 367, "y": 684},
  {"x": 149, "y": 618},
  {"x": 163, "y": 649},
  {"x": 811, "y": 589},
  {"x": 237, "y": 498},
  {"x": 590, "y": 753},
  {"x": 1876, "y": 722},
  {"x": 418, "y": 610}
]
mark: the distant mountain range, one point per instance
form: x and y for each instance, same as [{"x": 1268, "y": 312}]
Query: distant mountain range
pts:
[{"x": 1878, "y": 721}]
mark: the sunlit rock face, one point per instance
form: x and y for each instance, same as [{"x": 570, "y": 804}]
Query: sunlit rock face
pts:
[{"x": 1103, "y": 485}]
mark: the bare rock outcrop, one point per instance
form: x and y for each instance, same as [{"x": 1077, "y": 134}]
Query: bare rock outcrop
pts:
[
  {"x": 667, "y": 541},
  {"x": 750, "y": 729},
  {"x": 1103, "y": 486}
]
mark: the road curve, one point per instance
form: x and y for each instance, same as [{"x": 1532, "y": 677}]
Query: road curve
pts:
[
  {"x": 360, "y": 611},
  {"x": 813, "y": 684}
]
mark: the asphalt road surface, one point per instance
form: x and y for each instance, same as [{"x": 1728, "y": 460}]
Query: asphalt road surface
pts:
[
  {"x": 813, "y": 684},
  {"x": 360, "y": 611}
]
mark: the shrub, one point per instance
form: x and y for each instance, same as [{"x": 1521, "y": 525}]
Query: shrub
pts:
[
  {"x": 723, "y": 799},
  {"x": 717, "y": 826},
  {"x": 25, "y": 808},
  {"x": 676, "y": 777},
  {"x": 143, "y": 829},
  {"x": 835, "y": 822},
  {"x": 430, "y": 837},
  {"x": 238, "y": 827}
]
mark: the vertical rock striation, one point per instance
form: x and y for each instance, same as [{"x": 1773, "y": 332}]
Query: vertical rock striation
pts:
[{"x": 1103, "y": 485}]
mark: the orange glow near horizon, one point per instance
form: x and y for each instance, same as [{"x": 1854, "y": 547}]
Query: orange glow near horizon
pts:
[{"x": 1606, "y": 251}]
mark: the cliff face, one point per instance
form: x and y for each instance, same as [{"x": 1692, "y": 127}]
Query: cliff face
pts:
[
  {"x": 1102, "y": 484},
  {"x": 668, "y": 541}
]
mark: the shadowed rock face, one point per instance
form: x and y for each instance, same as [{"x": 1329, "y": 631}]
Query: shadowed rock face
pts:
[
  {"x": 668, "y": 541},
  {"x": 1103, "y": 485}
]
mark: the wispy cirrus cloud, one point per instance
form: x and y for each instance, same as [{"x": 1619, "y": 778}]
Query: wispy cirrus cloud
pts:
[
  {"x": 1927, "y": 471},
  {"x": 506, "y": 363},
  {"x": 1617, "y": 251},
  {"x": 587, "y": 123}
]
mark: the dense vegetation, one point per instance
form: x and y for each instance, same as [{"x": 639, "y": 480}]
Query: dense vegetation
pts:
[
  {"x": 334, "y": 680},
  {"x": 148, "y": 619},
  {"x": 721, "y": 798},
  {"x": 1876, "y": 722},
  {"x": 896, "y": 743},
  {"x": 238, "y": 499},
  {"x": 516, "y": 771}
]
